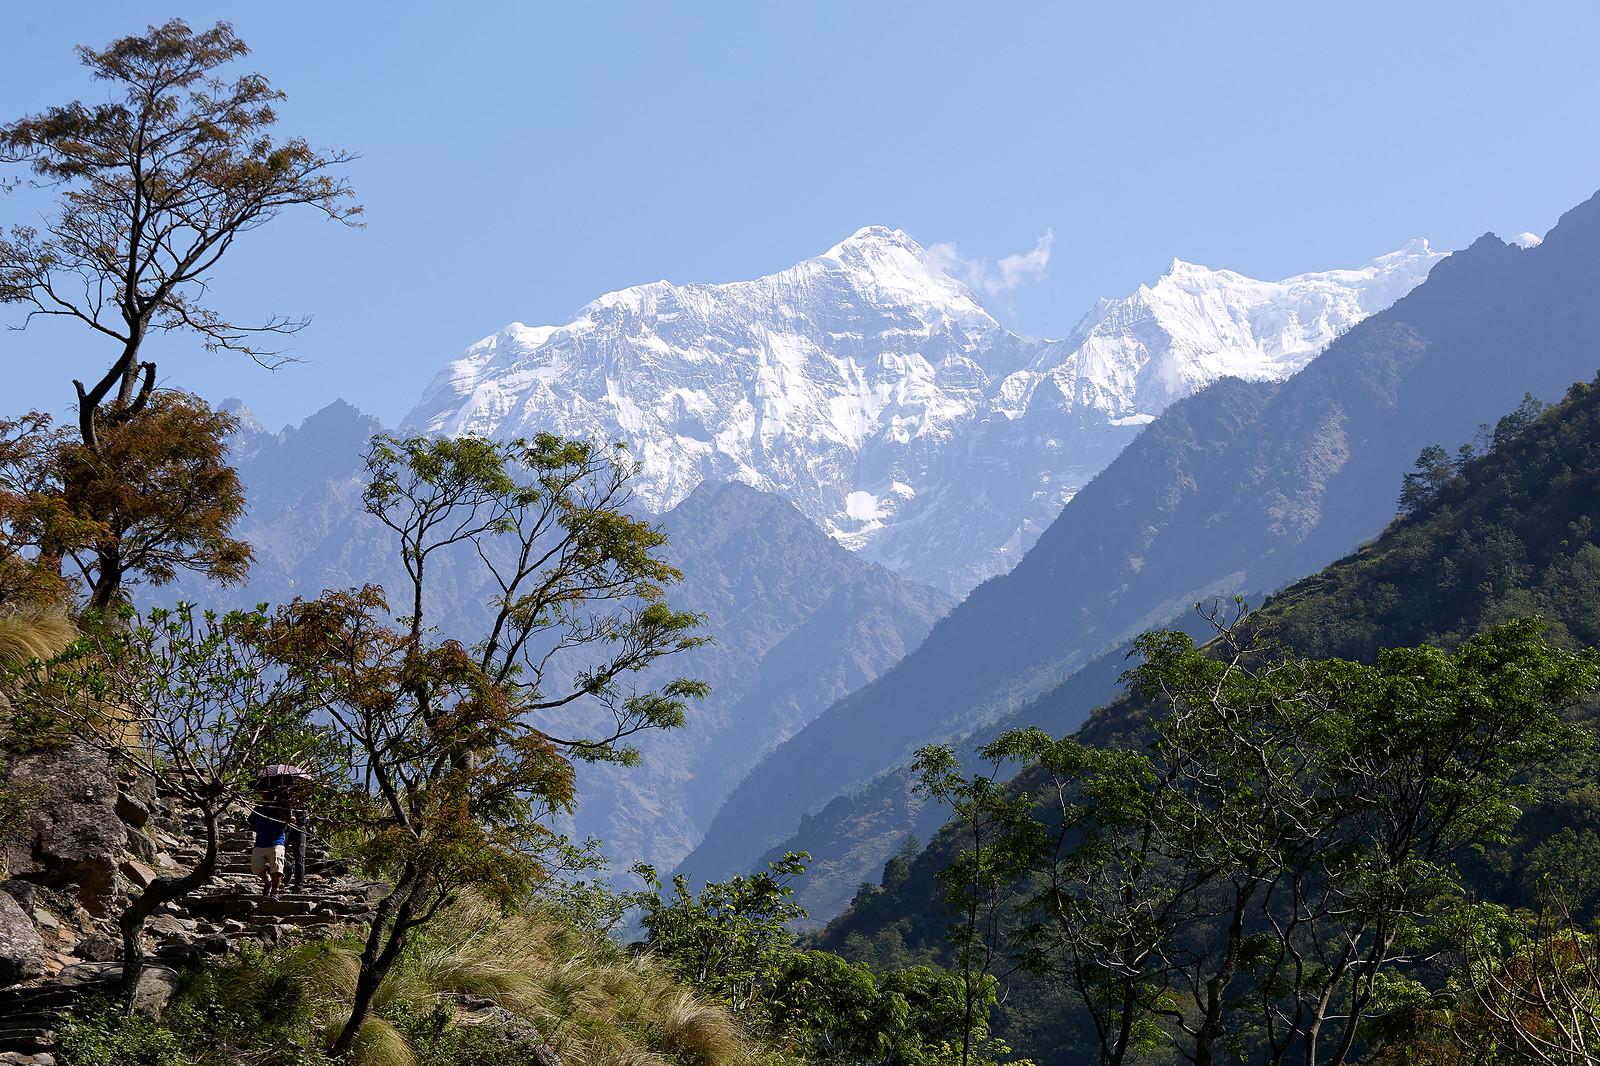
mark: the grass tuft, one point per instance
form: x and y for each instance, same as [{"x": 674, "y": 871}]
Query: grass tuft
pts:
[{"x": 34, "y": 633}]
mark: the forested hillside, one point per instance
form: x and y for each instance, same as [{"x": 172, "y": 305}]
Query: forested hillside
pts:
[{"x": 1497, "y": 529}]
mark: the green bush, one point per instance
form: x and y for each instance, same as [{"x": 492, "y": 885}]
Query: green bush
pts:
[{"x": 99, "y": 1034}]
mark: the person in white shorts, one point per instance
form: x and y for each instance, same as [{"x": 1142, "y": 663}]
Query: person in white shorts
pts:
[{"x": 269, "y": 821}]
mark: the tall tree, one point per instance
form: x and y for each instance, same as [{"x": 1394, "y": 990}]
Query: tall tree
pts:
[
  {"x": 155, "y": 188},
  {"x": 155, "y": 185},
  {"x": 453, "y": 770}
]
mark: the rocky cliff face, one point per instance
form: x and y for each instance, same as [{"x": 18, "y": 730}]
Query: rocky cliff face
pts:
[{"x": 874, "y": 392}]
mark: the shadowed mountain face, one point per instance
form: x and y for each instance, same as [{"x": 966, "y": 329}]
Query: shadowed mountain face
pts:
[
  {"x": 798, "y": 621},
  {"x": 1237, "y": 489}
]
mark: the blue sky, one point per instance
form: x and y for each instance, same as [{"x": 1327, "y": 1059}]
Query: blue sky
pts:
[{"x": 518, "y": 160}]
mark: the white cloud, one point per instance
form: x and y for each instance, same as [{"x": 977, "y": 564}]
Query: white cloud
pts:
[{"x": 1012, "y": 272}]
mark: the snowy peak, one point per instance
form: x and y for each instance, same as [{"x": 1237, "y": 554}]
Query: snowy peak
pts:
[
  {"x": 879, "y": 240},
  {"x": 873, "y": 390},
  {"x": 1132, "y": 357}
]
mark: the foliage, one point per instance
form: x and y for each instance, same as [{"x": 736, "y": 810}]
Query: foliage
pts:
[
  {"x": 723, "y": 942},
  {"x": 156, "y": 496},
  {"x": 836, "y": 1011},
  {"x": 1512, "y": 535},
  {"x": 573, "y": 572},
  {"x": 98, "y": 1034},
  {"x": 1255, "y": 878},
  {"x": 32, "y": 509},
  {"x": 980, "y": 885},
  {"x": 578, "y": 994},
  {"x": 155, "y": 187},
  {"x": 191, "y": 701},
  {"x": 450, "y": 774},
  {"x": 1527, "y": 990}
]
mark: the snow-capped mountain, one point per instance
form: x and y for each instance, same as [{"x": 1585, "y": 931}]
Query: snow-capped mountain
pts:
[{"x": 875, "y": 391}]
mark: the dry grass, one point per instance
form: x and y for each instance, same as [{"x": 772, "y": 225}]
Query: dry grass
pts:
[
  {"x": 34, "y": 633},
  {"x": 593, "y": 1002}
]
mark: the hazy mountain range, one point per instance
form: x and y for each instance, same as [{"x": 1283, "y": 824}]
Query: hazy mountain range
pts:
[{"x": 1237, "y": 489}]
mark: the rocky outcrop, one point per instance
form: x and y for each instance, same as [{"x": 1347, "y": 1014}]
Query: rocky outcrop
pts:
[
  {"x": 59, "y": 950},
  {"x": 71, "y": 834}
]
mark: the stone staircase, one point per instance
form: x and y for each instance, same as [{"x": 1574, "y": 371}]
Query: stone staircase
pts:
[{"x": 211, "y": 922}]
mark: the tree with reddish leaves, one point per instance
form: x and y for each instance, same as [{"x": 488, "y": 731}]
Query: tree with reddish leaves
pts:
[{"x": 154, "y": 186}]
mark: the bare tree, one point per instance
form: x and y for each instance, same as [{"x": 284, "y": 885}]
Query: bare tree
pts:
[{"x": 155, "y": 187}]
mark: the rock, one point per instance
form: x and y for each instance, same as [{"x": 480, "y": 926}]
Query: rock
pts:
[
  {"x": 157, "y": 985},
  {"x": 97, "y": 948},
  {"x": 212, "y": 945},
  {"x": 179, "y": 951},
  {"x": 142, "y": 847},
  {"x": 138, "y": 873},
  {"x": 89, "y": 973},
  {"x": 72, "y": 835},
  {"x": 25, "y": 894},
  {"x": 22, "y": 950},
  {"x": 132, "y": 811},
  {"x": 166, "y": 925}
]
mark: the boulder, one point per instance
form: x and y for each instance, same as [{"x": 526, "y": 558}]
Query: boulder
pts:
[
  {"x": 141, "y": 846},
  {"x": 72, "y": 836},
  {"x": 22, "y": 950},
  {"x": 138, "y": 873},
  {"x": 132, "y": 810},
  {"x": 25, "y": 894},
  {"x": 157, "y": 985},
  {"x": 97, "y": 947},
  {"x": 166, "y": 925}
]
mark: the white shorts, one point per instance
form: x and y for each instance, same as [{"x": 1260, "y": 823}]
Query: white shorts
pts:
[{"x": 267, "y": 860}]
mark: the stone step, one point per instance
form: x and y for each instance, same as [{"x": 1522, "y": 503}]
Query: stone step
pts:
[{"x": 27, "y": 1040}]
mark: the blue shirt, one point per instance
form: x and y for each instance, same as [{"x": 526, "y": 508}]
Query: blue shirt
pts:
[{"x": 270, "y": 825}]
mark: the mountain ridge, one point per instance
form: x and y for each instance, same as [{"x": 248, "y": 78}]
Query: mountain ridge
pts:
[{"x": 874, "y": 391}]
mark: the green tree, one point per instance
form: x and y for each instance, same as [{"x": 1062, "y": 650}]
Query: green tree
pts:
[
  {"x": 998, "y": 843},
  {"x": 453, "y": 777},
  {"x": 725, "y": 941},
  {"x": 1434, "y": 469},
  {"x": 1253, "y": 880}
]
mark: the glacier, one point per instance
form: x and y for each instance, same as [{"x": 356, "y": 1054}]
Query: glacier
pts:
[{"x": 876, "y": 392}]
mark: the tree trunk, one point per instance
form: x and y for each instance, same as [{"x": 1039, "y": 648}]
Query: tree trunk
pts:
[
  {"x": 162, "y": 890},
  {"x": 390, "y": 926}
]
